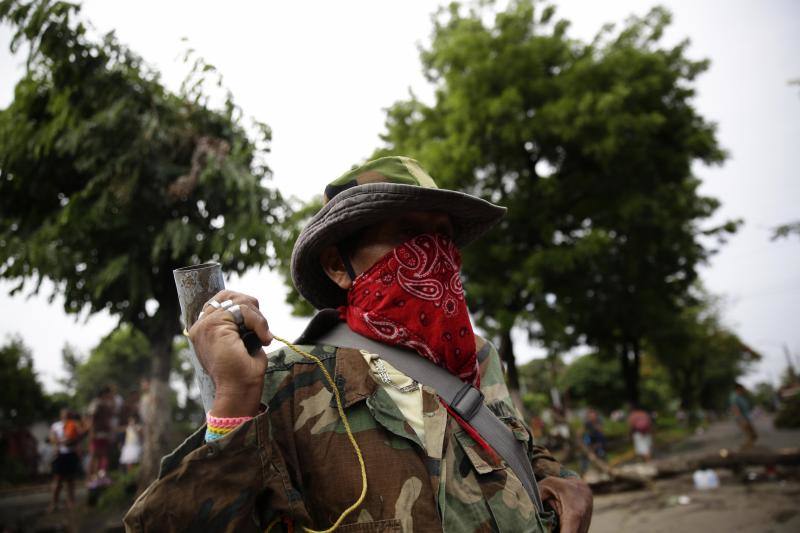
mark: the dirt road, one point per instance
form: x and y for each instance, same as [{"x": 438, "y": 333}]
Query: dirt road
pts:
[
  {"x": 25, "y": 511},
  {"x": 676, "y": 506}
]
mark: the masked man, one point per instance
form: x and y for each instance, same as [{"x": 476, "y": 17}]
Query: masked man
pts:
[{"x": 381, "y": 256}]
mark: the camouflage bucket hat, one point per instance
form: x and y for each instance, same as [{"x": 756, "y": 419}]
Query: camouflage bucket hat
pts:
[{"x": 371, "y": 193}]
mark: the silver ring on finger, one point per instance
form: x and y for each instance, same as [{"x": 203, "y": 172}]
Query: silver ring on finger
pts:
[
  {"x": 226, "y": 304},
  {"x": 236, "y": 311},
  {"x": 213, "y": 303}
]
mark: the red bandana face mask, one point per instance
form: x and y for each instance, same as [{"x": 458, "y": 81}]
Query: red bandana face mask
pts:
[{"x": 413, "y": 297}]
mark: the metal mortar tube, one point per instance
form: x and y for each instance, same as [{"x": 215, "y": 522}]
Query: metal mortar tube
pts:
[{"x": 196, "y": 285}]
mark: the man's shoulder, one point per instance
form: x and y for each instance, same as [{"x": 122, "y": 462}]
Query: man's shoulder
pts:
[
  {"x": 300, "y": 370},
  {"x": 483, "y": 348},
  {"x": 285, "y": 357},
  {"x": 491, "y": 369},
  {"x": 304, "y": 388}
]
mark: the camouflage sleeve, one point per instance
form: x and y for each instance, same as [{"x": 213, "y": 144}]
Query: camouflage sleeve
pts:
[
  {"x": 499, "y": 400},
  {"x": 237, "y": 483}
]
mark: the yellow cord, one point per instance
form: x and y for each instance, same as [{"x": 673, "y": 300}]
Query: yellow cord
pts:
[
  {"x": 347, "y": 429},
  {"x": 272, "y": 524}
]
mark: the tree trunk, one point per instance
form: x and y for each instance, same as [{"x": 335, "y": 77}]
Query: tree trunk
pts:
[
  {"x": 507, "y": 356},
  {"x": 157, "y": 406},
  {"x": 729, "y": 459},
  {"x": 642, "y": 474},
  {"x": 157, "y": 411},
  {"x": 636, "y": 373},
  {"x": 688, "y": 394},
  {"x": 630, "y": 362}
]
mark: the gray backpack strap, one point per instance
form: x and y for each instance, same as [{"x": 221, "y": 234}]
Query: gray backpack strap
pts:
[{"x": 462, "y": 397}]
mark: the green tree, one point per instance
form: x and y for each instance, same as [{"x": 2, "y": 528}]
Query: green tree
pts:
[
  {"x": 703, "y": 357},
  {"x": 765, "y": 396},
  {"x": 590, "y": 146},
  {"x": 108, "y": 181},
  {"x": 785, "y": 230},
  {"x": 788, "y": 415},
  {"x": 536, "y": 379},
  {"x": 298, "y": 215},
  {"x": 121, "y": 358},
  {"x": 22, "y": 399},
  {"x": 71, "y": 360},
  {"x": 593, "y": 381},
  {"x": 22, "y": 403}
]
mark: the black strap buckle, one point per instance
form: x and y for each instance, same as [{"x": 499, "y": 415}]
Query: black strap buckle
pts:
[{"x": 467, "y": 402}]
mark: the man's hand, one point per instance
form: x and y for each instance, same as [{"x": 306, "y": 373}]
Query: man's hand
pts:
[
  {"x": 571, "y": 498},
  {"x": 238, "y": 376}
]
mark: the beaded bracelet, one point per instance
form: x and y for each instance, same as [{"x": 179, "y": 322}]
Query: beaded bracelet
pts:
[
  {"x": 220, "y": 431},
  {"x": 219, "y": 422},
  {"x": 211, "y": 436},
  {"x": 217, "y": 427}
]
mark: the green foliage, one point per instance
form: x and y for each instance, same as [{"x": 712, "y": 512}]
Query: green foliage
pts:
[
  {"x": 615, "y": 430},
  {"x": 789, "y": 413},
  {"x": 590, "y": 146},
  {"x": 789, "y": 375},
  {"x": 108, "y": 180},
  {"x": 657, "y": 393},
  {"x": 22, "y": 399},
  {"x": 765, "y": 396},
  {"x": 121, "y": 493},
  {"x": 693, "y": 362},
  {"x": 593, "y": 381},
  {"x": 121, "y": 358},
  {"x": 298, "y": 216},
  {"x": 536, "y": 379},
  {"x": 703, "y": 358},
  {"x": 785, "y": 230},
  {"x": 540, "y": 374},
  {"x": 188, "y": 414},
  {"x": 535, "y": 402}
]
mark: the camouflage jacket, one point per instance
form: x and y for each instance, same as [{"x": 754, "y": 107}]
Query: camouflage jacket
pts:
[{"x": 294, "y": 463}]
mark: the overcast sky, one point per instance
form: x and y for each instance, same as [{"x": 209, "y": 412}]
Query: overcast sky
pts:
[{"x": 321, "y": 73}]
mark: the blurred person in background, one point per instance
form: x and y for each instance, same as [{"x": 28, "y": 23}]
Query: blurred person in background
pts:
[
  {"x": 593, "y": 437},
  {"x": 48, "y": 452},
  {"x": 64, "y": 435},
  {"x": 118, "y": 423},
  {"x": 640, "y": 425},
  {"x": 132, "y": 448},
  {"x": 101, "y": 412},
  {"x": 741, "y": 408},
  {"x": 145, "y": 409},
  {"x": 559, "y": 432}
]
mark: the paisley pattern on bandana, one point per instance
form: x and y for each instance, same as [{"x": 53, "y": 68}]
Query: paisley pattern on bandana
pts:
[{"x": 413, "y": 297}]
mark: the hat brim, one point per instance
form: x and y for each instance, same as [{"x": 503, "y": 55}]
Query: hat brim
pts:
[{"x": 364, "y": 205}]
